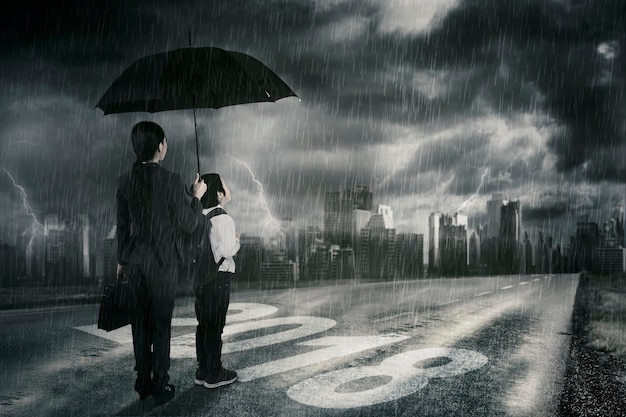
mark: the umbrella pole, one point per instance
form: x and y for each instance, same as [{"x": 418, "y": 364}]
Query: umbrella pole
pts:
[{"x": 195, "y": 126}]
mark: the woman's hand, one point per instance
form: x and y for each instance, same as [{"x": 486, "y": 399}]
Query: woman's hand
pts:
[{"x": 198, "y": 187}]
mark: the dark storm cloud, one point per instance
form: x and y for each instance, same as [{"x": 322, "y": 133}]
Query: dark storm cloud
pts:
[
  {"x": 540, "y": 214},
  {"x": 550, "y": 46},
  {"x": 357, "y": 83}
]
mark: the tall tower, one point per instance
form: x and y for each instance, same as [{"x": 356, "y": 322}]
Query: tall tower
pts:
[
  {"x": 434, "y": 224},
  {"x": 84, "y": 245},
  {"x": 617, "y": 214},
  {"x": 377, "y": 257},
  {"x": 109, "y": 255},
  {"x": 510, "y": 237},
  {"x": 342, "y": 211},
  {"x": 493, "y": 214}
]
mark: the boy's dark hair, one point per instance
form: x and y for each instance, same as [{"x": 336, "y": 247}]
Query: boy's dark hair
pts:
[{"x": 213, "y": 185}]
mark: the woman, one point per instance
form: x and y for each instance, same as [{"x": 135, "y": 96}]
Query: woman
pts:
[
  {"x": 152, "y": 208},
  {"x": 213, "y": 296}
]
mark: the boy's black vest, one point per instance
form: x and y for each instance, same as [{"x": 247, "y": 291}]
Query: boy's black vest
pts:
[{"x": 203, "y": 268}]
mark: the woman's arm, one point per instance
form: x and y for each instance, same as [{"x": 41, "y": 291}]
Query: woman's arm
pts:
[{"x": 187, "y": 214}]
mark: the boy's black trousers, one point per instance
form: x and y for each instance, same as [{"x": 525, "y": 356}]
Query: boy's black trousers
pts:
[{"x": 212, "y": 302}]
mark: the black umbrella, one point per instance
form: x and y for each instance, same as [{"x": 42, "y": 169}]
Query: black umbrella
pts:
[{"x": 191, "y": 78}]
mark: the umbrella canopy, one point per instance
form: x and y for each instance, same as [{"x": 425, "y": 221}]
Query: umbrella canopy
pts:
[{"x": 189, "y": 78}]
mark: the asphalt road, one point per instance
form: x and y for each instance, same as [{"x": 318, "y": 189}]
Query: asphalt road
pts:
[{"x": 444, "y": 347}]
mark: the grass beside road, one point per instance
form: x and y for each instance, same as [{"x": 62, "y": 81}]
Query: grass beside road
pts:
[
  {"x": 595, "y": 382},
  {"x": 606, "y": 305}
]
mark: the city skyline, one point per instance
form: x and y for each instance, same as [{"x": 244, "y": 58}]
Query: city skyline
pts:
[
  {"x": 353, "y": 223},
  {"x": 432, "y": 104}
]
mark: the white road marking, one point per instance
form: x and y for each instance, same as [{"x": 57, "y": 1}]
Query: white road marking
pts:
[
  {"x": 336, "y": 347},
  {"x": 507, "y": 287},
  {"x": 523, "y": 283},
  {"x": 185, "y": 346},
  {"x": 402, "y": 378},
  {"x": 483, "y": 293}
]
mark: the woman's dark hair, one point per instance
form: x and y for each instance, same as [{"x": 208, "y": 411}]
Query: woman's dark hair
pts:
[
  {"x": 213, "y": 185},
  {"x": 146, "y": 137}
]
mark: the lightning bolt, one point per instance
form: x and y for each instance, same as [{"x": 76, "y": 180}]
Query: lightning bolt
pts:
[
  {"x": 259, "y": 186},
  {"x": 36, "y": 224},
  {"x": 477, "y": 193}
]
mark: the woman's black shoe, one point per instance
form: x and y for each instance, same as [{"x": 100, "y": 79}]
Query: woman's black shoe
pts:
[
  {"x": 163, "y": 394},
  {"x": 143, "y": 386}
]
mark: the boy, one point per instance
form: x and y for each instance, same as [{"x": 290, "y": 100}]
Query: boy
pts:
[{"x": 212, "y": 288}]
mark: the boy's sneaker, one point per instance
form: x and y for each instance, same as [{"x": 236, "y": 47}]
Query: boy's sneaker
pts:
[
  {"x": 199, "y": 378},
  {"x": 225, "y": 377}
]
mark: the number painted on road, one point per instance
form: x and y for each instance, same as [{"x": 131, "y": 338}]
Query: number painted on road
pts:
[
  {"x": 397, "y": 376},
  {"x": 394, "y": 378},
  {"x": 237, "y": 312},
  {"x": 185, "y": 346},
  {"x": 335, "y": 347}
]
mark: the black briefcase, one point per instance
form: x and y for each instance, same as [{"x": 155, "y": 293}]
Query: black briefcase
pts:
[{"x": 117, "y": 306}]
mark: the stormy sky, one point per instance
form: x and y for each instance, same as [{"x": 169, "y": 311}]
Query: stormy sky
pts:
[{"x": 430, "y": 103}]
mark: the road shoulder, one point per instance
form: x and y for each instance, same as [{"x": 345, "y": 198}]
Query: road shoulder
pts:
[{"x": 595, "y": 383}]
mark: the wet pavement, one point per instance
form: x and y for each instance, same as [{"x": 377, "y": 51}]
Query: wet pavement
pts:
[{"x": 493, "y": 346}]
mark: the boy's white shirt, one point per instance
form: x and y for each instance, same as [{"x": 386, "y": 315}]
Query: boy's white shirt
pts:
[{"x": 224, "y": 243}]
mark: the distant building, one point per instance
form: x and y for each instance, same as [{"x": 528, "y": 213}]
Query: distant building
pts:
[
  {"x": 494, "y": 214},
  {"x": 342, "y": 263},
  {"x": 585, "y": 242},
  {"x": 453, "y": 248},
  {"x": 474, "y": 250},
  {"x": 410, "y": 255},
  {"x": 526, "y": 256},
  {"x": 447, "y": 252},
  {"x": 341, "y": 216},
  {"x": 510, "y": 237},
  {"x": 434, "y": 224},
  {"x": 617, "y": 215},
  {"x": 109, "y": 256},
  {"x": 249, "y": 258},
  {"x": 608, "y": 256},
  {"x": 377, "y": 257},
  {"x": 279, "y": 269},
  {"x": 490, "y": 238}
]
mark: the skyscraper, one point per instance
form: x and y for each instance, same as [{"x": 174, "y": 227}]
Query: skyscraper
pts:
[
  {"x": 409, "y": 255},
  {"x": 474, "y": 250},
  {"x": 494, "y": 207},
  {"x": 84, "y": 245},
  {"x": 510, "y": 237},
  {"x": 109, "y": 255},
  {"x": 377, "y": 257},
  {"x": 617, "y": 214},
  {"x": 490, "y": 238},
  {"x": 340, "y": 219},
  {"x": 453, "y": 245},
  {"x": 434, "y": 224}
]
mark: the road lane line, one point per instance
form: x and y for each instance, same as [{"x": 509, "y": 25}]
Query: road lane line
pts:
[
  {"x": 507, "y": 287},
  {"x": 483, "y": 293},
  {"x": 523, "y": 283},
  {"x": 395, "y": 316}
]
